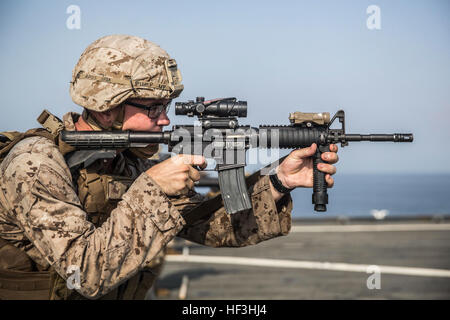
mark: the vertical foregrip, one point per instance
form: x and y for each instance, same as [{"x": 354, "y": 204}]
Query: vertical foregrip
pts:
[{"x": 320, "y": 195}]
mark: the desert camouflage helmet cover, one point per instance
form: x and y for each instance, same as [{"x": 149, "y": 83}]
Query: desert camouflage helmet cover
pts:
[{"x": 117, "y": 67}]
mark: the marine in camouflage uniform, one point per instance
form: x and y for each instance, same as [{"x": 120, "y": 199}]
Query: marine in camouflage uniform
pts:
[{"x": 109, "y": 219}]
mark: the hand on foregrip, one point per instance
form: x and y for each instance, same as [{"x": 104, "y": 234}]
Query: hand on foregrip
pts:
[
  {"x": 297, "y": 170},
  {"x": 176, "y": 176}
]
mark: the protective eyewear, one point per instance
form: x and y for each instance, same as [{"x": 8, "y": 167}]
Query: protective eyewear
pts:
[{"x": 154, "y": 111}]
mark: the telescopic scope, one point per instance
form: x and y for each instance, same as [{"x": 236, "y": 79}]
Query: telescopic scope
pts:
[{"x": 227, "y": 107}]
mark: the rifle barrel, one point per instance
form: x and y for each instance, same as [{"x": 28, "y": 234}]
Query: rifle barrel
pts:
[{"x": 396, "y": 137}]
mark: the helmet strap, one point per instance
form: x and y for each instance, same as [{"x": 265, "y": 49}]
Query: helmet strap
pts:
[{"x": 118, "y": 123}]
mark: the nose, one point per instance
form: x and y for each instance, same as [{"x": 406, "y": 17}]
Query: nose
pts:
[{"x": 163, "y": 119}]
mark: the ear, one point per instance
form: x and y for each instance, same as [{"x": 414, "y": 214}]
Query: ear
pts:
[{"x": 106, "y": 117}]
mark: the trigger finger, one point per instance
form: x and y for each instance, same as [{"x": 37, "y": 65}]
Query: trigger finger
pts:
[
  {"x": 194, "y": 174},
  {"x": 203, "y": 165},
  {"x": 190, "y": 184}
]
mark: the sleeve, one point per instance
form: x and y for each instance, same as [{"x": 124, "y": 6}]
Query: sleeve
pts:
[
  {"x": 44, "y": 204},
  {"x": 266, "y": 219}
]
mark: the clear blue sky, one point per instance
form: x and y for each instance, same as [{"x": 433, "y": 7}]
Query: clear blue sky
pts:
[{"x": 281, "y": 56}]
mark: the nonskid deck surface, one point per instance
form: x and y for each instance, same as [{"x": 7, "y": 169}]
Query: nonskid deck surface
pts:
[{"x": 397, "y": 259}]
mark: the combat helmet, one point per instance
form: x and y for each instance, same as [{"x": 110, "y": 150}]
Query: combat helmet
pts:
[{"x": 117, "y": 67}]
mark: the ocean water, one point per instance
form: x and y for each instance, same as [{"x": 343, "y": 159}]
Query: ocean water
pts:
[{"x": 357, "y": 195}]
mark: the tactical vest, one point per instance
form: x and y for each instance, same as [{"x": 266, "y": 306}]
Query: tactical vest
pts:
[{"x": 99, "y": 194}]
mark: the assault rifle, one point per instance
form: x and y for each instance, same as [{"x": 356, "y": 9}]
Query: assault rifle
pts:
[{"x": 218, "y": 135}]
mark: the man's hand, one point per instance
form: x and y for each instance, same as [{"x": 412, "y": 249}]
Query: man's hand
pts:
[
  {"x": 175, "y": 176},
  {"x": 297, "y": 169}
]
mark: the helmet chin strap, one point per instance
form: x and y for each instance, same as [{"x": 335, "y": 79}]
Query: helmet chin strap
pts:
[{"x": 118, "y": 122}]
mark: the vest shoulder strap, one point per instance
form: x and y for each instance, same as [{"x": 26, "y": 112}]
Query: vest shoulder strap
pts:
[
  {"x": 10, "y": 138},
  {"x": 52, "y": 126}
]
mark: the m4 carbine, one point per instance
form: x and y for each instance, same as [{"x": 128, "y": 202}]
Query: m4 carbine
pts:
[{"x": 218, "y": 135}]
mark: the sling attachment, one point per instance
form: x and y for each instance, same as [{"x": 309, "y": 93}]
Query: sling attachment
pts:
[{"x": 51, "y": 123}]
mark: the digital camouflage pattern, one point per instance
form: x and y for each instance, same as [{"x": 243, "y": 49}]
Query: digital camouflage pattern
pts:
[
  {"x": 117, "y": 67},
  {"x": 41, "y": 214}
]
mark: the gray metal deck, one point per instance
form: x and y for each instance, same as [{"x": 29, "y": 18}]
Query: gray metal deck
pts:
[{"x": 427, "y": 248}]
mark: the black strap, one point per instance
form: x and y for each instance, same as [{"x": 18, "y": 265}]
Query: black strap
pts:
[{"x": 278, "y": 185}]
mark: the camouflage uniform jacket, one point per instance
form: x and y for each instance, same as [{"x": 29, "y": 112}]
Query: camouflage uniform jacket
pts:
[{"x": 40, "y": 213}]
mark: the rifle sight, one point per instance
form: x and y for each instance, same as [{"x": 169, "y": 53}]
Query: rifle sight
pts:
[{"x": 226, "y": 107}]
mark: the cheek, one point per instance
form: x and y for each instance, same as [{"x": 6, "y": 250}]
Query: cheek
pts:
[{"x": 137, "y": 121}]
